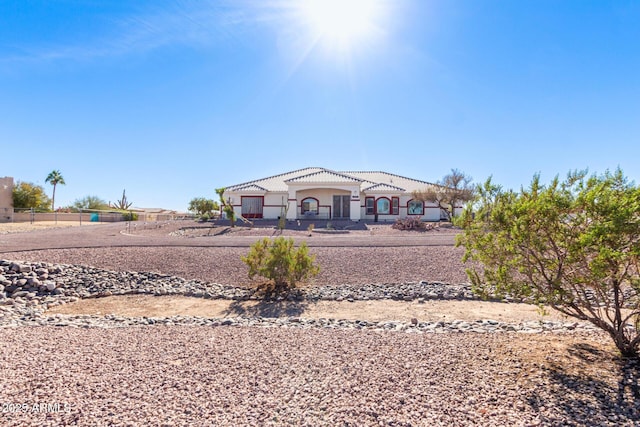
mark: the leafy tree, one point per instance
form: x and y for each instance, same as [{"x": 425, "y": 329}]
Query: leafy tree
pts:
[
  {"x": 226, "y": 207},
  {"x": 280, "y": 262},
  {"x": 27, "y": 195},
  {"x": 54, "y": 178},
  {"x": 574, "y": 245},
  {"x": 123, "y": 204},
  {"x": 448, "y": 193},
  {"x": 202, "y": 206},
  {"x": 90, "y": 203}
]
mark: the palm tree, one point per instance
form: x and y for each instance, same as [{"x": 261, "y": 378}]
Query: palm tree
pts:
[{"x": 55, "y": 178}]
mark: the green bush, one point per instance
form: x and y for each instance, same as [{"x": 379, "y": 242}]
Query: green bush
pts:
[
  {"x": 279, "y": 261},
  {"x": 571, "y": 244},
  {"x": 203, "y": 206},
  {"x": 130, "y": 216},
  {"x": 27, "y": 195}
]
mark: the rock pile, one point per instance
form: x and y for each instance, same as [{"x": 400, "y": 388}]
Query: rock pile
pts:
[
  {"x": 27, "y": 290},
  {"x": 478, "y": 326},
  {"x": 37, "y": 281}
]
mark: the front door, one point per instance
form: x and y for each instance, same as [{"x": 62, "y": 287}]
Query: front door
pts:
[{"x": 341, "y": 206}]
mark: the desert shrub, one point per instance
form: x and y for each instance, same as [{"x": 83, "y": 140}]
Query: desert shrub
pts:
[
  {"x": 410, "y": 223},
  {"x": 204, "y": 217},
  {"x": 571, "y": 244},
  {"x": 91, "y": 203},
  {"x": 129, "y": 216},
  {"x": 279, "y": 261}
]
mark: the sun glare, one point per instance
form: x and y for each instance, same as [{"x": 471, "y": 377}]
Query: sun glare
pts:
[{"x": 340, "y": 23}]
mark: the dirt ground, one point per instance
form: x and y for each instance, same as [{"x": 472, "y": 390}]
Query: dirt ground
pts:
[
  {"x": 21, "y": 227},
  {"x": 375, "y": 311}
]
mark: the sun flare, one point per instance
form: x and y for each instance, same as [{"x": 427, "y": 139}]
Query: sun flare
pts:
[{"x": 340, "y": 23}]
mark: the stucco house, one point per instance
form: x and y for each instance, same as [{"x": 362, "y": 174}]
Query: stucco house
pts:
[
  {"x": 154, "y": 214},
  {"x": 321, "y": 193},
  {"x": 6, "y": 198}
]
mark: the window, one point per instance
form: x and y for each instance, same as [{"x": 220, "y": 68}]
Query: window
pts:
[
  {"x": 383, "y": 206},
  {"x": 252, "y": 206},
  {"x": 310, "y": 205},
  {"x": 415, "y": 207},
  {"x": 395, "y": 206},
  {"x": 369, "y": 203}
]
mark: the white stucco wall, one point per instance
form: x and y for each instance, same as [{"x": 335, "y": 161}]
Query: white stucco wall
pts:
[
  {"x": 273, "y": 205},
  {"x": 272, "y": 202},
  {"x": 431, "y": 210},
  {"x": 272, "y": 208},
  {"x": 324, "y": 197}
]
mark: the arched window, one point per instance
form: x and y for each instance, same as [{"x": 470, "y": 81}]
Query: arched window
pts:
[
  {"x": 415, "y": 207},
  {"x": 310, "y": 204},
  {"x": 383, "y": 206}
]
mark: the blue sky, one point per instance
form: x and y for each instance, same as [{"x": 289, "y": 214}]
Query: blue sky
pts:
[{"x": 171, "y": 99}]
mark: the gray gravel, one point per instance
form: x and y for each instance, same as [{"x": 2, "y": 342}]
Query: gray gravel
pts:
[
  {"x": 338, "y": 266},
  {"x": 285, "y": 373},
  {"x": 27, "y": 290},
  {"x": 254, "y": 376}
]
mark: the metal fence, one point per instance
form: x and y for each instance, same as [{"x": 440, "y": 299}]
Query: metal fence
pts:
[{"x": 31, "y": 216}]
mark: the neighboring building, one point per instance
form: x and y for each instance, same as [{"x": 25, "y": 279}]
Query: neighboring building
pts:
[
  {"x": 6, "y": 198},
  {"x": 154, "y": 214},
  {"x": 322, "y": 193}
]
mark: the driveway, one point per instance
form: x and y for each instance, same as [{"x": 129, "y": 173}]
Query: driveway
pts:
[{"x": 156, "y": 235}]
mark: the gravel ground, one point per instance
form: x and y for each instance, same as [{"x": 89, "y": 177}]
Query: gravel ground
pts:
[
  {"x": 251, "y": 376},
  {"x": 338, "y": 266},
  {"x": 23, "y": 227},
  {"x": 191, "y": 375},
  {"x": 369, "y": 262}
]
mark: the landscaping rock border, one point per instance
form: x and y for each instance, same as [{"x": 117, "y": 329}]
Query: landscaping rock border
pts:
[{"x": 28, "y": 289}]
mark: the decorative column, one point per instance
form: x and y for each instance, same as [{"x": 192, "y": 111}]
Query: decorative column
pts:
[{"x": 354, "y": 208}]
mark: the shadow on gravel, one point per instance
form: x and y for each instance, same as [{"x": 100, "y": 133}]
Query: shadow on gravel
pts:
[
  {"x": 586, "y": 399},
  {"x": 267, "y": 308}
]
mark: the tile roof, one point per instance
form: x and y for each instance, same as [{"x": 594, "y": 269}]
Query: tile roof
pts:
[
  {"x": 250, "y": 187},
  {"x": 384, "y": 188},
  {"x": 325, "y": 176},
  {"x": 275, "y": 182},
  {"x": 372, "y": 180},
  {"x": 378, "y": 177}
]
